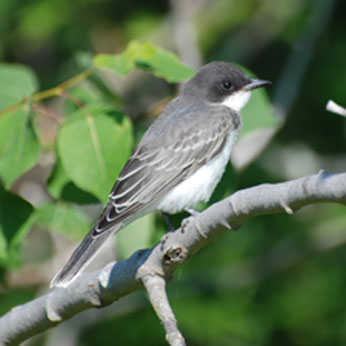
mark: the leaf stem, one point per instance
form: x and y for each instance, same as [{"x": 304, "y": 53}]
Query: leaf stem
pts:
[{"x": 56, "y": 91}]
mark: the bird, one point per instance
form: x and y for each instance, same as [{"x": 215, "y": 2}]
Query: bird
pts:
[{"x": 179, "y": 160}]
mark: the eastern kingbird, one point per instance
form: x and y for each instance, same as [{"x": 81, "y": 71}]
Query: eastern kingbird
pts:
[{"x": 179, "y": 160}]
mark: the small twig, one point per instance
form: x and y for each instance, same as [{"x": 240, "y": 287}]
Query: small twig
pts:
[
  {"x": 78, "y": 103},
  {"x": 73, "y": 99},
  {"x": 56, "y": 91},
  {"x": 47, "y": 112},
  {"x": 286, "y": 207},
  {"x": 156, "y": 288},
  {"x": 335, "y": 108}
]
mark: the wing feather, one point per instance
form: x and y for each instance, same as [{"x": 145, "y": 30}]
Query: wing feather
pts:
[{"x": 173, "y": 153}]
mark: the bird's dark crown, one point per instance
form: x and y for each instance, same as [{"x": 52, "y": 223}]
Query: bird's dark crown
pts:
[{"x": 215, "y": 81}]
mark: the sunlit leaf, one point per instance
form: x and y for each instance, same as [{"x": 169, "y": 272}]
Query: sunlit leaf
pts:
[
  {"x": 166, "y": 65},
  {"x": 61, "y": 187},
  {"x": 63, "y": 217},
  {"x": 116, "y": 63},
  {"x": 93, "y": 147},
  {"x": 19, "y": 147},
  {"x": 16, "y": 83},
  {"x": 148, "y": 57},
  {"x": 89, "y": 93}
]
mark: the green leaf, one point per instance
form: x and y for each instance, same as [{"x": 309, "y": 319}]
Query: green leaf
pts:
[
  {"x": 93, "y": 147},
  {"x": 119, "y": 64},
  {"x": 16, "y": 83},
  {"x": 19, "y": 147},
  {"x": 258, "y": 113},
  {"x": 64, "y": 218},
  {"x": 89, "y": 93},
  {"x": 61, "y": 187},
  {"x": 166, "y": 65},
  {"x": 148, "y": 57},
  {"x": 15, "y": 221},
  {"x": 137, "y": 235},
  {"x": 57, "y": 180}
]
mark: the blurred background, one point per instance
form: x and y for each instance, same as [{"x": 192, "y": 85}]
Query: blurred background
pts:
[{"x": 281, "y": 279}]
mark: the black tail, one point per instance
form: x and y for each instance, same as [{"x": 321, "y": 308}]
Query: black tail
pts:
[{"x": 84, "y": 253}]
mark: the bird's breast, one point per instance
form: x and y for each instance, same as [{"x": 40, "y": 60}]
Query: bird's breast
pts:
[{"x": 201, "y": 184}]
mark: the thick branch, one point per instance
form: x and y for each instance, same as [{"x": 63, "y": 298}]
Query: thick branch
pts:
[{"x": 119, "y": 279}]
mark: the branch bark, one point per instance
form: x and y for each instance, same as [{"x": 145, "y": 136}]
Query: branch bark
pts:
[
  {"x": 153, "y": 267},
  {"x": 156, "y": 288}
]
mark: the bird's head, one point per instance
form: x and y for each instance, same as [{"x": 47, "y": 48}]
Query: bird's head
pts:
[{"x": 222, "y": 83}]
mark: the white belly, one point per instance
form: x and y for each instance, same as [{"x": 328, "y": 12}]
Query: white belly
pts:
[{"x": 199, "y": 186}]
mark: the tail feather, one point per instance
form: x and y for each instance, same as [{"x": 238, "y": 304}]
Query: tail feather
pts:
[{"x": 83, "y": 254}]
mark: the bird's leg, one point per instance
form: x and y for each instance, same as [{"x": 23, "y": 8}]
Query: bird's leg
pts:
[
  {"x": 168, "y": 221},
  {"x": 185, "y": 222}
]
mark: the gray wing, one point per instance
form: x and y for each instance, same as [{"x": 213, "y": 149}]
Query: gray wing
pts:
[{"x": 171, "y": 151}]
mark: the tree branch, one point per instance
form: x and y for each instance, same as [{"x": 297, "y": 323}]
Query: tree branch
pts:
[{"x": 152, "y": 267}]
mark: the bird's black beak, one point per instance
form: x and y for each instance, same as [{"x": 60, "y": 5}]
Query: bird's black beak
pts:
[{"x": 256, "y": 83}]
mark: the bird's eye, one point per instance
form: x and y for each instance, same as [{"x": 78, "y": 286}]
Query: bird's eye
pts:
[{"x": 227, "y": 85}]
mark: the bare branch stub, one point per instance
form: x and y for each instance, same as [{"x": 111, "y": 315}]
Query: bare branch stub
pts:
[
  {"x": 335, "y": 108},
  {"x": 156, "y": 288}
]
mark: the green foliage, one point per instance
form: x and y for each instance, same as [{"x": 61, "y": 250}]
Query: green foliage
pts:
[
  {"x": 148, "y": 57},
  {"x": 15, "y": 221},
  {"x": 64, "y": 218},
  {"x": 61, "y": 187},
  {"x": 100, "y": 143},
  {"x": 19, "y": 147},
  {"x": 16, "y": 83}
]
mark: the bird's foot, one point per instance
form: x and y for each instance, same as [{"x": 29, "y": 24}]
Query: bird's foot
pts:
[{"x": 168, "y": 221}]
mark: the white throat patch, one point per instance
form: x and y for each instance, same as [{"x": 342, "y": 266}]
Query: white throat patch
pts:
[{"x": 237, "y": 100}]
